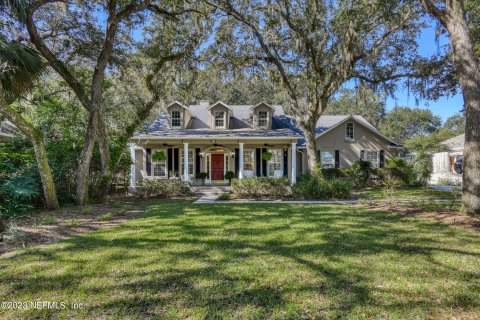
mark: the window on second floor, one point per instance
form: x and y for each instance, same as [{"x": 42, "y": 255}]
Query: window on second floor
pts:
[
  {"x": 219, "y": 119},
  {"x": 262, "y": 119},
  {"x": 176, "y": 119},
  {"x": 349, "y": 131}
]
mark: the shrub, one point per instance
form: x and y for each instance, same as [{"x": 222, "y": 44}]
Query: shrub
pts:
[
  {"x": 399, "y": 171},
  {"x": 422, "y": 167},
  {"x": 267, "y": 156},
  {"x": 224, "y": 197},
  {"x": 46, "y": 220},
  {"x": 73, "y": 223},
  {"x": 105, "y": 216},
  {"x": 261, "y": 187},
  {"x": 312, "y": 185},
  {"x": 332, "y": 173},
  {"x": 13, "y": 235},
  {"x": 161, "y": 188},
  {"x": 359, "y": 173},
  {"x": 229, "y": 175},
  {"x": 159, "y": 156},
  {"x": 202, "y": 176}
]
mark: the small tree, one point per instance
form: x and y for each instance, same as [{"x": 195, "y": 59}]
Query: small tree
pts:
[{"x": 229, "y": 175}]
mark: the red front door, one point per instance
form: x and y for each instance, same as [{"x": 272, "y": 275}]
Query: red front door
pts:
[{"x": 217, "y": 166}]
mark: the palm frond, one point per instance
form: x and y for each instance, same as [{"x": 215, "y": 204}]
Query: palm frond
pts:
[{"x": 20, "y": 67}]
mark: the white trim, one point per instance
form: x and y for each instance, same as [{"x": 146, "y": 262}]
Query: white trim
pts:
[
  {"x": 133, "y": 178},
  {"x": 262, "y": 104},
  {"x": 203, "y": 138},
  {"x": 240, "y": 161},
  {"x": 186, "y": 176},
  {"x": 293, "y": 177}
]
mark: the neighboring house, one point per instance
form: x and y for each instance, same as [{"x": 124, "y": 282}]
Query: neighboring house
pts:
[
  {"x": 218, "y": 138},
  {"x": 447, "y": 166},
  {"x": 7, "y": 130}
]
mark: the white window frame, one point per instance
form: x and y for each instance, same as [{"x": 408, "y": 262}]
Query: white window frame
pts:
[
  {"x": 191, "y": 163},
  {"x": 277, "y": 159},
  {"x": 325, "y": 164},
  {"x": 249, "y": 158},
  {"x": 262, "y": 119},
  {"x": 375, "y": 163},
  {"x": 226, "y": 163},
  {"x": 215, "y": 119},
  {"x": 153, "y": 163},
  {"x": 347, "y": 133},
  {"x": 175, "y": 119}
]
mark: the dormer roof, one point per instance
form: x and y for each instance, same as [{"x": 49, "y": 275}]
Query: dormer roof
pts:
[
  {"x": 262, "y": 104},
  {"x": 220, "y": 103}
]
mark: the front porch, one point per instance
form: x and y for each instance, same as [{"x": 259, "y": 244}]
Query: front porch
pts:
[{"x": 152, "y": 159}]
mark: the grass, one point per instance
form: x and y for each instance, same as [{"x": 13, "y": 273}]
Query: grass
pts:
[
  {"x": 281, "y": 261},
  {"x": 47, "y": 220},
  {"x": 414, "y": 193},
  {"x": 105, "y": 216}
]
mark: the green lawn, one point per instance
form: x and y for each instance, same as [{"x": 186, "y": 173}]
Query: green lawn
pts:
[
  {"x": 415, "y": 193},
  {"x": 254, "y": 261}
]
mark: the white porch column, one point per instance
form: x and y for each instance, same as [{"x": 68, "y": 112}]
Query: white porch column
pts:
[
  {"x": 185, "y": 161},
  {"x": 133, "y": 178},
  {"x": 240, "y": 161},
  {"x": 293, "y": 178}
]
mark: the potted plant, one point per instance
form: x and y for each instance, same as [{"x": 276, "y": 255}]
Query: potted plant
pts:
[
  {"x": 202, "y": 176},
  {"x": 267, "y": 156},
  {"x": 229, "y": 175},
  {"x": 159, "y": 156}
]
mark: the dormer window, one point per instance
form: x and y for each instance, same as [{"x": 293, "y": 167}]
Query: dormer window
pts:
[
  {"x": 219, "y": 119},
  {"x": 176, "y": 119},
  {"x": 349, "y": 131},
  {"x": 262, "y": 119}
]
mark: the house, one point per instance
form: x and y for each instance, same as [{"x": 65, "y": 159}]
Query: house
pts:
[
  {"x": 217, "y": 138},
  {"x": 447, "y": 165},
  {"x": 7, "y": 130}
]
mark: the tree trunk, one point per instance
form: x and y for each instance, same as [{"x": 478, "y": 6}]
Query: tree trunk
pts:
[
  {"x": 85, "y": 159},
  {"x": 36, "y": 137},
  {"x": 312, "y": 158},
  {"x": 468, "y": 72}
]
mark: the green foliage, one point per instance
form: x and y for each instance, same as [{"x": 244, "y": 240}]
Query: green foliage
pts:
[
  {"x": 73, "y": 223},
  {"x": 312, "y": 185},
  {"x": 398, "y": 171},
  {"x": 404, "y": 123},
  {"x": 422, "y": 167},
  {"x": 161, "y": 188},
  {"x": 363, "y": 101},
  {"x": 105, "y": 217},
  {"x": 261, "y": 187},
  {"x": 224, "y": 197},
  {"x": 332, "y": 173},
  {"x": 202, "y": 175},
  {"x": 47, "y": 220},
  {"x": 159, "y": 156},
  {"x": 359, "y": 173},
  {"x": 229, "y": 175},
  {"x": 267, "y": 156}
]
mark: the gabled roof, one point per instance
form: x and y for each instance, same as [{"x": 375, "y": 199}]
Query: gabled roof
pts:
[
  {"x": 262, "y": 104},
  {"x": 221, "y": 103},
  {"x": 455, "y": 143},
  {"x": 327, "y": 123}
]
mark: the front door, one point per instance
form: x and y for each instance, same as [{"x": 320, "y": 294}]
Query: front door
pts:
[{"x": 217, "y": 166}]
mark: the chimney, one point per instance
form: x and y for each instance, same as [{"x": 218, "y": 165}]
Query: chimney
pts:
[{"x": 204, "y": 103}]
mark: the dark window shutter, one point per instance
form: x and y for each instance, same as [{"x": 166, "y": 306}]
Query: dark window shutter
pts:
[
  {"x": 197, "y": 160},
  {"x": 170, "y": 160},
  {"x": 264, "y": 164},
  {"x": 362, "y": 154},
  {"x": 285, "y": 163},
  {"x": 237, "y": 155},
  {"x": 382, "y": 159},
  {"x": 176, "y": 160},
  {"x": 337, "y": 159},
  {"x": 149, "y": 162},
  {"x": 319, "y": 157},
  {"x": 258, "y": 159}
]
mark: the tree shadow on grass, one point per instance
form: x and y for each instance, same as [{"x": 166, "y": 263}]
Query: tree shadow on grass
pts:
[{"x": 216, "y": 260}]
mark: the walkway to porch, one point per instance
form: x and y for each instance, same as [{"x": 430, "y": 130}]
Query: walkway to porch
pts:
[{"x": 209, "y": 194}]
